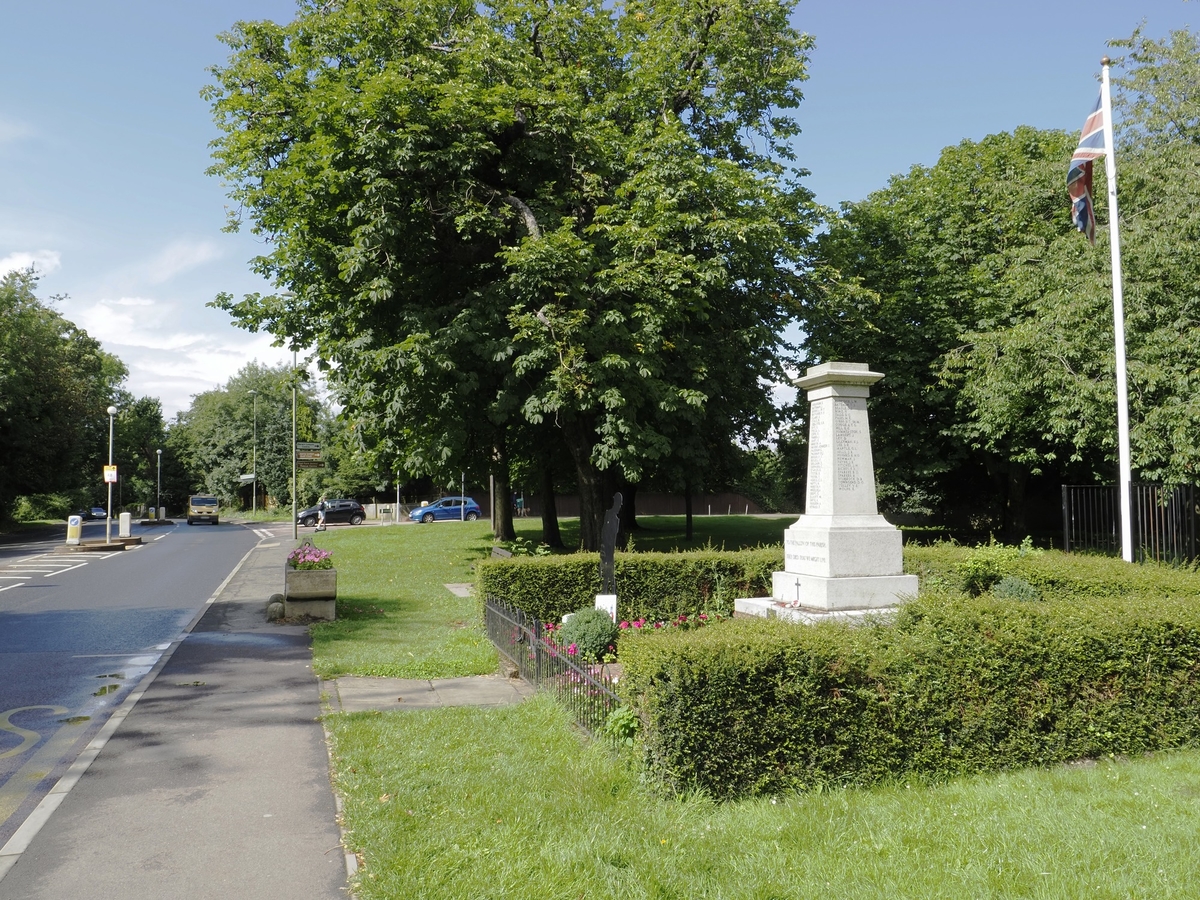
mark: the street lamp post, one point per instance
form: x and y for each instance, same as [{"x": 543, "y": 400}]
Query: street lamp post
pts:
[
  {"x": 295, "y": 510},
  {"x": 254, "y": 458},
  {"x": 158, "y": 494},
  {"x": 112, "y": 411}
]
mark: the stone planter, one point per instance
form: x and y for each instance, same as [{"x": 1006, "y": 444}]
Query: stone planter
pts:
[{"x": 309, "y": 592}]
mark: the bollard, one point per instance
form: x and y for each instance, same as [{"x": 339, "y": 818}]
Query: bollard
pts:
[
  {"x": 74, "y": 529},
  {"x": 162, "y": 513},
  {"x": 126, "y": 525}
]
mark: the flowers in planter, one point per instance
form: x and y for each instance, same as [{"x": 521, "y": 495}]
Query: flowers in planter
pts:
[{"x": 309, "y": 557}]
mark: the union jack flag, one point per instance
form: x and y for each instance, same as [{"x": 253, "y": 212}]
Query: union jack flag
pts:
[{"x": 1079, "y": 176}]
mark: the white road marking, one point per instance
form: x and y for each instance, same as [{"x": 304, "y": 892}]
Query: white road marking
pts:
[
  {"x": 76, "y": 566},
  {"x": 160, "y": 537}
]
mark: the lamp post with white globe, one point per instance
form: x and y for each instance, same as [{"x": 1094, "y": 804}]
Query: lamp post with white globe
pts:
[{"x": 110, "y": 477}]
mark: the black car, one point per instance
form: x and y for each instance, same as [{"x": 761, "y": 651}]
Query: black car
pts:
[{"x": 335, "y": 511}]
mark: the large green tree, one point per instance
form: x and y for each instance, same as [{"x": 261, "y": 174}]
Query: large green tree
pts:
[
  {"x": 55, "y": 384},
  {"x": 215, "y": 439},
  {"x": 516, "y": 211},
  {"x": 992, "y": 317}
]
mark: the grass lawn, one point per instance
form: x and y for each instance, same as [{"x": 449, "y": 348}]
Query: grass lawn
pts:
[
  {"x": 502, "y": 803},
  {"x": 666, "y": 533},
  {"x": 395, "y": 616}
]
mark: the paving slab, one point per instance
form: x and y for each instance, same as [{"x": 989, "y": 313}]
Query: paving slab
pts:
[{"x": 356, "y": 694}]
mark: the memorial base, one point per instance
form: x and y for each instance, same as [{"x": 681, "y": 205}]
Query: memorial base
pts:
[
  {"x": 846, "y": 592},
  {"x": 767, "y": 608}
]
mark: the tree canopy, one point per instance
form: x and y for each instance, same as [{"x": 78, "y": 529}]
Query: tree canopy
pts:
[
  {"x": 514, "y": 213},
  {"x": 218, "y": 437},
  {"x": 992, "y": 318},
  {"x": 55, "y": 384}
]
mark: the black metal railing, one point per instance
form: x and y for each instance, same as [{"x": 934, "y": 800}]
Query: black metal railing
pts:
[
  {"x": 1164, "y": 521},
  {"x": 584, "y": 689}
]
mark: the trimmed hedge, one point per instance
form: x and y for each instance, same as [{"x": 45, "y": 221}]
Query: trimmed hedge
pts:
[
  {"x": 655, "y": 586},
  {"x": 955, "y": 685},
  {"x": 1055, "y": 575}
]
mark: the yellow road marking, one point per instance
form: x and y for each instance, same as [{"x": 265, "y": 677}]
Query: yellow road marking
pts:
[
  {"x": 29, "y": 738},
  {"x": 41, "y": 763}
]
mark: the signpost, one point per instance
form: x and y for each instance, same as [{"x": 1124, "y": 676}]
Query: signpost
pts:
[{"x": 308, "y": 455}]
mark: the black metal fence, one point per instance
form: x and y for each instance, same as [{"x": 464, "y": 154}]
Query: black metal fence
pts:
[
  {"x": 584, "y": 689},
  {"x": 1164, "y": 521}
]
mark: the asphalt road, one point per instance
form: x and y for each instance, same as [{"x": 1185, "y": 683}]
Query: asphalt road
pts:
[{"x": 77, "y": 633}]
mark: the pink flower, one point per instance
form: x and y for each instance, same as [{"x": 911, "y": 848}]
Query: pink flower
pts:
[
  {"x": 624, "y": 626},
  {"x": 658, "y": 624},
  {"x": 572, "y": 650}
]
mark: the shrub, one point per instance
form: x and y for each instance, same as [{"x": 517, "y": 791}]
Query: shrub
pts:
[
  {"x": 1010, "y": 587},
  {"x": 591, "y": 632},
  {"x": 651, "y": 586},
  {"x": 36, "y": 507},
  {"x": 955, "y": 686}
]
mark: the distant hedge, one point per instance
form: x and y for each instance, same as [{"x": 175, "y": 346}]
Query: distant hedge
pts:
[
  {"x": 656, "y": 586},
  {"x": 1107, "y": 663}
]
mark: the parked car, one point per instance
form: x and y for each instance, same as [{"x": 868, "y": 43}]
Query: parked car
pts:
[
  {"x": 454, "y": 508},
  {"x": 96, "y": 512},
  {"x": 335, "y": 511}
]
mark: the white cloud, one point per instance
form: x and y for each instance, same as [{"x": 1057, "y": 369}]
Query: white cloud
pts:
[
  {"x": 42, "y": 260},
  {"x": 11, "y": 131},
  {"x": 175, "y": 258},
  {"x": 166, "y": 360}
]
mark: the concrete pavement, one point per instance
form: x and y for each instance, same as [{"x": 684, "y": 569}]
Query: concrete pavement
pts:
[{"x": 212, "y": 779}]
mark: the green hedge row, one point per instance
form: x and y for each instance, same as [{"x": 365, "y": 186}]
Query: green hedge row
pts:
[
  {"x": 1056, "y": 575},
  {"x": 654, "y": 586},
  {"x": 955, "y": 685}
]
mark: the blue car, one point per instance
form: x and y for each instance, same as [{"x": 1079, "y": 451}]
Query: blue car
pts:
[{"x": 453, "y": 508}]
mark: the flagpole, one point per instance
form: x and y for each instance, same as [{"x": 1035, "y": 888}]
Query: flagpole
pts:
[{"x": 1126, "y": 479}]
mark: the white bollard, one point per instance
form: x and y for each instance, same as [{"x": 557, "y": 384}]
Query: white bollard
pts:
[
  {"x": 608, "y": 603},
  {"x": 162, "y": 514},
  {"x": 126, "y": 525}
]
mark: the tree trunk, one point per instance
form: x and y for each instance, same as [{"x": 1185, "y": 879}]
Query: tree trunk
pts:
[
  {"x": 551, "y": 536},
  {"x": 503, "y": 512},
  {"x": 579, "y": 439},
  {"x": 687, "y": 508},
  {"x": 628, "y": 513},
  {"x": 1014, "y": 502}
]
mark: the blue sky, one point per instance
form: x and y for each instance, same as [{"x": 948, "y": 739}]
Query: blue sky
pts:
[{"x": 103, "y": 142}]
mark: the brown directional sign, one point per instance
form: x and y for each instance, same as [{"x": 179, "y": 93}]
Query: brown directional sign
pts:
[
  {"x": 310, "y": 464},
  {"x": 308, "y": 454}
]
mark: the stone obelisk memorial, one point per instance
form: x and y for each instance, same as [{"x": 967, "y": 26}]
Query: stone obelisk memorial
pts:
[{"x": 841, "y": 556}]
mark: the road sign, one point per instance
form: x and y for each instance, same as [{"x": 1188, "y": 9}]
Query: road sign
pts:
[
  {"x": 308, "y": 454},
  {"x": 245, "y": 479},
  {"x": 110, "y": 474},
  {"x": 307, "y": 445},
  {"x": 310, "y": 464}
]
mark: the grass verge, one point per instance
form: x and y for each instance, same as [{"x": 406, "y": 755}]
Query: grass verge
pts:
[
  {"x": 469, "y": 803},
  {"x": 395, "y": 616},
  {"x": 505, "y": 803}
]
